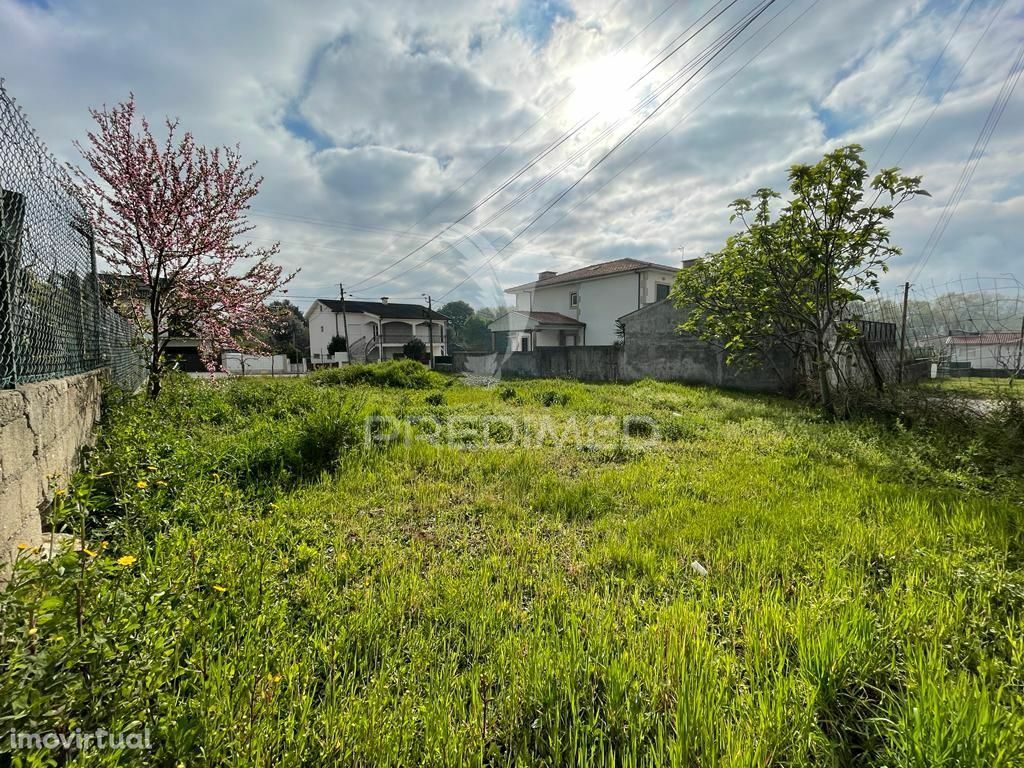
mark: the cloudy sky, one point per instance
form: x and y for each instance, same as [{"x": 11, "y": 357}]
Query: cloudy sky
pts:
[{"x": 379, "y": 124}]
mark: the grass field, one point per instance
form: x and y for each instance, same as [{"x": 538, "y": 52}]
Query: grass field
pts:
[
  {"x": 972, "y": 386},
  {"x": 347, "y": 574}
]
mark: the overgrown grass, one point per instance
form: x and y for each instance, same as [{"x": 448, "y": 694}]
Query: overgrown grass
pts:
[
  {"x": 302, "y": 598},
  {"x": 973, "y": 386},
  {"x": 400, "y": 374}
]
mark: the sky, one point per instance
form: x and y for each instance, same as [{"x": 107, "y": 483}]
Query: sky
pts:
[{"x": 378, "y": 125}]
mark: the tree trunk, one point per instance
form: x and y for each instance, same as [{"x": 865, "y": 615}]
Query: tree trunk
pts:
[
  {"x": 153, "y": 388},
  {"x": 824, "y": 388}
]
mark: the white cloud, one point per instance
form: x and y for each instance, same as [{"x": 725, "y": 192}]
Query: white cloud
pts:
[{"x": 378, "y": 115}]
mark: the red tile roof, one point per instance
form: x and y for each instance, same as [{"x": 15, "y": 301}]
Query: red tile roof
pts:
[
  {"x": 594, "y": 270},
  {"x": 551, "y": 318},
  {"x": 985, "y": 339}
]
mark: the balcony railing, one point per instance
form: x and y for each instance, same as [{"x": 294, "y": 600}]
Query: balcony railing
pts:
[{"x": 401, "y": 338}]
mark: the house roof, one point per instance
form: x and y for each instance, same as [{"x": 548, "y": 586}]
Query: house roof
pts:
[
  {"x": 985, "y": 339},
  {"x": 605, "y": 268},
  {"x": 531, "y": 320},
  {"x": 387, "y": 311},
  {"x": 551, "y": 318}
]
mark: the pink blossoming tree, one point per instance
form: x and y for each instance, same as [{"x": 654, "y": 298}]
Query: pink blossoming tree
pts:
[{"x": 171, "y": 221}]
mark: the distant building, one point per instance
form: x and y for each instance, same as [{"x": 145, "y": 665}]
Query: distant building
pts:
[
  {"x": 376, "y": 330},
  {"x": 992, "y": 350},
  {"x": 580, "y": 307}
]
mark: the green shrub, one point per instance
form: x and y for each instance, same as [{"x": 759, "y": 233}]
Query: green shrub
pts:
[
  {"x": 434, "y": 398},
  {"x": 398, "y": 374},
  {"x": 508, "y": 393},
  {"x": 551, "y": 397}
]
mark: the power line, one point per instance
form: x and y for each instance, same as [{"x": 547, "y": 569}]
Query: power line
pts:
[
  {"x": 410, "y": 231},
  {"x": 973, "y": 160},
  {"x": 952, "y": 82},
  {"x": 540, "y": 156},
  {"x": 924, "y": 83},
  {"x": 689, "y": 114},
  {"x": 607, "y": 154},
  {"x": 706, "y": 56},
  {"x": 536, "y": 122}
]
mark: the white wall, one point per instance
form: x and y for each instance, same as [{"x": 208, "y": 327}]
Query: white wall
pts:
[
  {"x": 985, "y": 355},
  {"x": 653, "y": 278},
  {"x": 601, "y": 302},
  {"x": 233, "y": 362}
]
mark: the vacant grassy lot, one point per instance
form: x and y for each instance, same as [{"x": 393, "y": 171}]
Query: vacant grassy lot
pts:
[
  {"x": 973, "y": 386},
  {"x": 509, "y": 581}
]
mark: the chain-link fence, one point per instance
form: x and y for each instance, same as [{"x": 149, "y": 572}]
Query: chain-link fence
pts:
[
  {"x": 53, "y": 321},
  {"x": 970, "y": 327}
]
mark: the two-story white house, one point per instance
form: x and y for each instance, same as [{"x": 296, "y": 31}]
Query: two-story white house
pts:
[
  {"x": 375, "y": 330},
  {"x": 580, "y": 307}
]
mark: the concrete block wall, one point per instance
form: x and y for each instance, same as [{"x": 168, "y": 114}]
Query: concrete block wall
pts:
[
  {"x": 43, "y": 428},
  {"x": 651, "y": 348}
]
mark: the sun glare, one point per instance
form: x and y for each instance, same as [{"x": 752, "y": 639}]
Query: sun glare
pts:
[{"x": 603, "y": 87}]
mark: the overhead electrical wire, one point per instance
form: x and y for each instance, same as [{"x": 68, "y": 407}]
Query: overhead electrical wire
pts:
[
  {"x": 952, "y": 82},
  {"x": 689, "y": 114},
  {"x": 924, "y": 83},
  {"x": 971, "y": 165},
  {"x": 694, "y": 66},
  {"x": 410, "y": 231},
  {"x": 764, "y": 7},
  {"x": 580, "y": 125},
  {"x": 536, "y": 122}
]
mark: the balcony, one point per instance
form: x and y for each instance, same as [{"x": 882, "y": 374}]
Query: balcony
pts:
[{"x": 394, "y": 337}]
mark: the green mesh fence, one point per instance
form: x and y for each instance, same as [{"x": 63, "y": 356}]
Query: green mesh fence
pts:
[{"x": 53, "y": 321}]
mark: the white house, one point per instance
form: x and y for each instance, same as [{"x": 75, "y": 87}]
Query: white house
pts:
[
  {"x": 375, "y": 330},
  {"x": 993, "y": 350},
  {"x": 580, "y": 307}
]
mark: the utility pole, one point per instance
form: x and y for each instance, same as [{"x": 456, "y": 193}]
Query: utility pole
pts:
[
  {"x": 903, "y": 332},
  {"x": 430, "y": 326},
  {"x": 344, "y": 314}
]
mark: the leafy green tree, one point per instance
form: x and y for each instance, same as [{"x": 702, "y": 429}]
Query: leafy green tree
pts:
[
  {"x": 288, "y": 334},
  {"x": 475, "y": 334},
  {"x": 338, "y": 344},
  {"x": 457, "y": 312},
  {"x": 793, "y": 278},
  {"x": 414, "y": 349}
]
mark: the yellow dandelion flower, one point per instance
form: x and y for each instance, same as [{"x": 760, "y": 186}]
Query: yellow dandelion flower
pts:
[
  {"x": 23, "y": 546},
  {"x": 219, "y": 588},
  {"x": 89, "y": 552},
  {"x": 141, "y": 484},
  {"x": 126, "y": 560}
]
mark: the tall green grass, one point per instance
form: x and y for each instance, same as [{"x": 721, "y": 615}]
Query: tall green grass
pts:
[{"x": 302, "y": 598}]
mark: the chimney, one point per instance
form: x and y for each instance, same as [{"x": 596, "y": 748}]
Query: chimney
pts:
[
  {"x": 546, "y": 274},
  {"x": 383, "y": 299}
]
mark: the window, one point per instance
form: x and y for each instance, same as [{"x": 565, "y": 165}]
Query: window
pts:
[
  {"x": 574, "y": 299},
  {"x": 661, "y": 291},
  {"x": 570, "y": 340},
  {"x": 524, "y": 344}
]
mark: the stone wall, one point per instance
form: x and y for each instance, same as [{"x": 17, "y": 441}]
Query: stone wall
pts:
[
  {"x": 651, "y": 348},
  {"x": 43, "y": 428}
]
